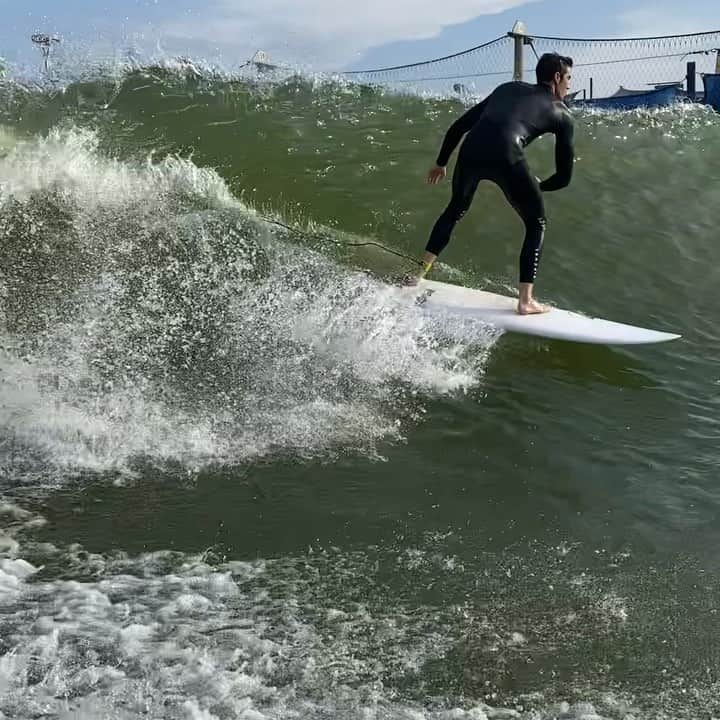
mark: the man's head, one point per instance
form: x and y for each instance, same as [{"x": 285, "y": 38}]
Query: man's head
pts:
[{"x": 554, "y": 70}]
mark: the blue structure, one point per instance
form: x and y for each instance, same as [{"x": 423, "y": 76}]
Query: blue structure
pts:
[
  {"x": 711, "y": 81},
  {"x": 631, "y": 100}
]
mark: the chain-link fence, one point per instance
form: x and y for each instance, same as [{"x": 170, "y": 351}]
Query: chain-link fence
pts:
[
  {"x": 471, "y": 72},
  {"x": 601, "y": 67}
]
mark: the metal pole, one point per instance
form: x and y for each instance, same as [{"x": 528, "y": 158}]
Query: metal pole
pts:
[
  {"x": 591, "y": 88},
  {"x": 518, "y": 59},
  {"x": 518, "y": 34},
  {"x": 690, "y": 77},
  {"x": 44, "y": 42}
]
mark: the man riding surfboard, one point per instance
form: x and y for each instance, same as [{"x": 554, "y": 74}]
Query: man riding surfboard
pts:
[{"x": 498, "y": 129}]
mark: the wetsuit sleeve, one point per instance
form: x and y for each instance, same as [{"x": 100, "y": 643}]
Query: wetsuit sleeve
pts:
[
  {"x": 457, "y": 130},
  {"x": 564, "y": 156}
]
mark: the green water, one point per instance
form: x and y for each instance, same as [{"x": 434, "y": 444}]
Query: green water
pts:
[{"x": 248, "y": 486}]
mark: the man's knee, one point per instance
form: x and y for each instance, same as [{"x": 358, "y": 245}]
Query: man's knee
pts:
[
  {"x": 536, "y": 225},
  {"x": 458, "y": 207}
]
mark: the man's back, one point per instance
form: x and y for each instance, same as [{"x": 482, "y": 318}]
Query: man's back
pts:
[
  {"x": 509, "y": 119},
  {"x": 518, "y": 112}
]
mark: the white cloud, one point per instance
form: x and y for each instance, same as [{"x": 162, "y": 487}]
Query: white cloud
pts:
[{"x": 325, "y": 33}]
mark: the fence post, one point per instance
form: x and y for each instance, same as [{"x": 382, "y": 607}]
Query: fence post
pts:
[
  {"x": 690, "y": 77},
  {"x": 518, "y": 34}
]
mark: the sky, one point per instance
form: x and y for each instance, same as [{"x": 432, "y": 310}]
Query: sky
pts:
[{"x": 327, "y": 35}]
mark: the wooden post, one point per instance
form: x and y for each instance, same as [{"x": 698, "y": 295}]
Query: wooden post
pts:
[
  {"x": 518, "y": 34},
  {"x": 690, "y": 78}
]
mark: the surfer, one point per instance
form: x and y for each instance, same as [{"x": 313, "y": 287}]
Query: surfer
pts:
[{"x": 498, "y": 128}]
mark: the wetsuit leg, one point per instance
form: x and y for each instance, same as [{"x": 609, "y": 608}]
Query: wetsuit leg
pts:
[
  {"x": 523, "y": 193},
  {"x": 465, "y": 181}
]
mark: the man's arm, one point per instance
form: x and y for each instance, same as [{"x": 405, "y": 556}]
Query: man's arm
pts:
[
  {"x": 564, "y": 155},
  {"x": 457, "y": 130}
]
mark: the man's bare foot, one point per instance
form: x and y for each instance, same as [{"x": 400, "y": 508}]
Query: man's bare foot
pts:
[{"x": 531, "y": 307}]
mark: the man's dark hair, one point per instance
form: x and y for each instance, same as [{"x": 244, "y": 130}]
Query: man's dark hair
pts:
[{"x": 549, "y": 64}]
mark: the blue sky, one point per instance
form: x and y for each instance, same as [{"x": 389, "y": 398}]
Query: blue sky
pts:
[{"x": 330, "y": 34}]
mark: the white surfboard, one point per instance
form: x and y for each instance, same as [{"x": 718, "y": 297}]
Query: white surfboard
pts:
[{"x": 500, "y": 311}]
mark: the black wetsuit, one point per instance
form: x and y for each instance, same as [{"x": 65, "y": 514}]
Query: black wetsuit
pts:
[{"x": 498, "y": 129}]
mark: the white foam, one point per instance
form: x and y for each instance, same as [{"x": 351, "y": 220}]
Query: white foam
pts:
[
  {"x": 69, "y": 160},
  {"x": 19, "y": 569},
  {"x": 167, "y": 635},
  {"x": 324, "y": 360}
]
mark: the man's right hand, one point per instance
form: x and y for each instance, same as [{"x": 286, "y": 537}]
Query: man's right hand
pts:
[{"x": 436, "y": 174}]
